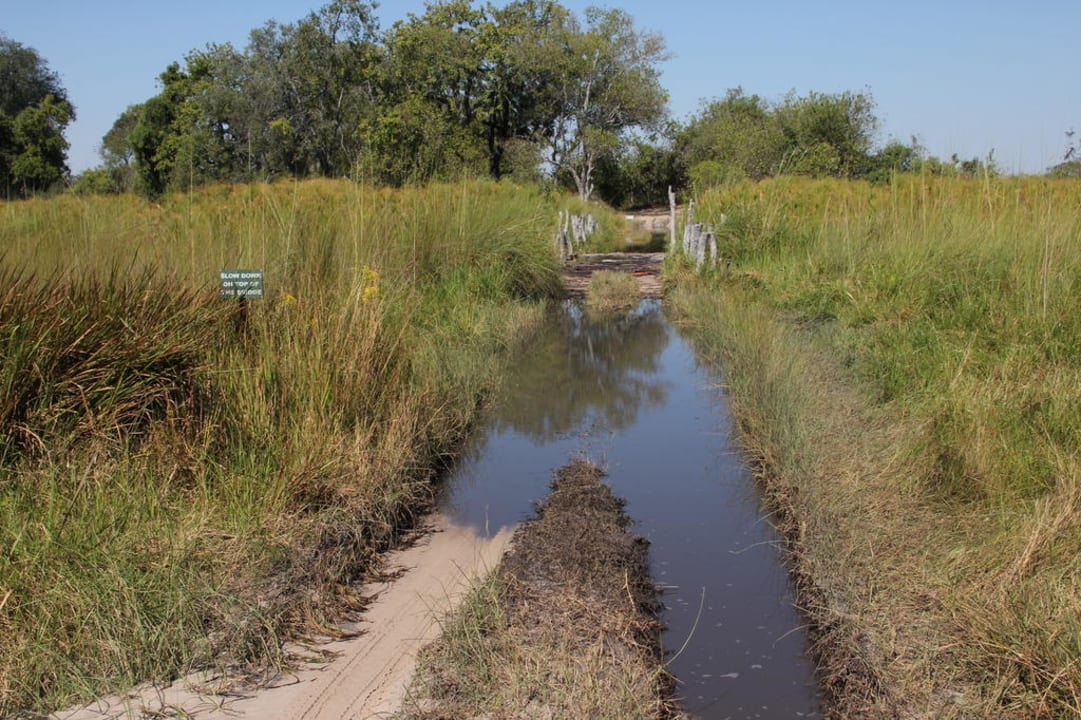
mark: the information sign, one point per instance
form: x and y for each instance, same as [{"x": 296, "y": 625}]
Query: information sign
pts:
[{"x": 241, "y": 283}]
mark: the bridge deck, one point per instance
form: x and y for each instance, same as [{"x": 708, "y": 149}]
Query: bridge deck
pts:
[{"x": 645, "y": 267}]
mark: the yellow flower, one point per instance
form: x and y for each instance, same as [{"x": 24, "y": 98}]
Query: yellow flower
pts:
[{"x": 369, "y": 284}]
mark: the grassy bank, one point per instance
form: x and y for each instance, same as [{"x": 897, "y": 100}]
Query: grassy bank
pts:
[
  {"x": 180, "y": 485},
  {"x": 903, "y": 362}
]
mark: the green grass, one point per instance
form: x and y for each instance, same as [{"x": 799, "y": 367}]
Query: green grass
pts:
[
  {"x": 939, "y": 321},
  {"x": 176, "y": 491}
]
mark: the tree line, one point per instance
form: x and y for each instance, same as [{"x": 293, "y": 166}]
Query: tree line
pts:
[
  {"x": 500, "y": 91},
  {"x": 527, "y": 90},
  {"x": 743, "y": 136}
]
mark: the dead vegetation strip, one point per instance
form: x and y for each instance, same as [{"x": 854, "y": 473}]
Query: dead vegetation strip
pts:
[{"x": 567, "y": 627}]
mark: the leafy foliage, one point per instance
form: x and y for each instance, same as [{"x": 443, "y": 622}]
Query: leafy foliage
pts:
[
  {"x": 744, "y": 136},
  {"x": 461, "y": 89},
  {"x": 34, "y": 110}
]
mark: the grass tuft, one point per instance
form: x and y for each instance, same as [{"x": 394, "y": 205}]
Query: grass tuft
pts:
[
  {"x": 566, "y": 627},
  {"x": 611, "y": 292}
]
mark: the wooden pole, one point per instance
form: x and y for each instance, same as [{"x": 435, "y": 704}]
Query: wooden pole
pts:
[
  {"x": 242, "y": 316},
  {"x": 671, "y": 220}
]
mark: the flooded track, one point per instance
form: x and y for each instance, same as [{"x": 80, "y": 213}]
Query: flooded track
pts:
[{"x": 629, "y": 394}]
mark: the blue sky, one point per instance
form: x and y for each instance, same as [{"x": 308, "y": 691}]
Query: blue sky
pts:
[{"x": 964, "y": 76}]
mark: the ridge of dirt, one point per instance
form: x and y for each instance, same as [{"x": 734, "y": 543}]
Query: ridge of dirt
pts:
[
  {"x": 574, "y": 630},
  {"x": 645, "y": 267},
  {"x": 362, "y": 675}
]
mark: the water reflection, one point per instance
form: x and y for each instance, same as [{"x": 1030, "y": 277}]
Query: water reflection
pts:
[
  {"x": 630, "y": 394},
  {"x": 582, "y": 367}
]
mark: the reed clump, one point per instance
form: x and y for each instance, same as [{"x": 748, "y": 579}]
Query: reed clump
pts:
[
  {"x": 611, "y": 292},
  {"x": 183, "y": 483},
  {"x": 924, "y": 363}
]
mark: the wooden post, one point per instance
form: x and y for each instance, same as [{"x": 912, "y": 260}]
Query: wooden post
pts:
[
  {"x": 699, "y": 246},
  {"x": 687, "y": 227},
  {"x": 242, "y": 316},
  {"x": 671, "y": 220}
]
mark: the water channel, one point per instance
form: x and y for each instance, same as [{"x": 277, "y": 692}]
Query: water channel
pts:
[{"x": 629, "y": 394}]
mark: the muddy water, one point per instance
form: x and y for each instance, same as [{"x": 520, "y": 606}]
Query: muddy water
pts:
[{"x": 629, "y": 394}]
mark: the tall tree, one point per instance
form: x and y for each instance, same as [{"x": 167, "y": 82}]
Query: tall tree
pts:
[
  {"x": 519, "y": 100},
  {"x": 814, "y": 134},
  {"x": 34, "y": 112},
  {"x": 117, "y": 153},
  {"x": 317, "y": 82},
  {"x": 291, "y": 103},
  {"x": 607, "y": 83},
  {"x": 829, "y": 134},
  {"x": 432, "y": 84},
  {"x": 460, "y": 88},
  {"x": 735, "y": 137}
]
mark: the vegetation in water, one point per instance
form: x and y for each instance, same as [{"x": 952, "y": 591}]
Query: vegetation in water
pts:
[
  {"x": 565, "y": 627},
  {"x": 611, "y": 292}
]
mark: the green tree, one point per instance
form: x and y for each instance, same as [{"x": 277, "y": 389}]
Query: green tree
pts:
[
  {"x": 975, "y": 167},
  {"x": 118, "y": 154},
  {"x": 458, "y": 89},
  {"x": 431, "y": 88},
  {"x": 895, "y": 157},
  {"x": 41, "y": 159},
  {"x": 740, "y": 136},
  {"x": 743, "y": 136},
  {"x": 519, "y": 102},
  {"x": 640, "y": 173},
  {"x": 607, "y": 84},
  {"x": 95, "y": 181},
  {"x": 828, "y": 134},
  {"x": 312, "y": 85},
  {"x": 152, "y": 139},
  {"x": 293, "y": 102},
  {"x": 34, "y": 112}
]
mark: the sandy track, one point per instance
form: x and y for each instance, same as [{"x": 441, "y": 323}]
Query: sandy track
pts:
[{"x": 369, "y": 676}]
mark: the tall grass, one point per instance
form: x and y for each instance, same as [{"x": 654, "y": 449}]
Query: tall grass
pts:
[
  {"x": 952, "y": 304},
  {"x": 180, "y": 485}
]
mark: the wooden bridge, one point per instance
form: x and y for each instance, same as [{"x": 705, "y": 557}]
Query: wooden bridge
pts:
[{"x": 645, "y": 267}]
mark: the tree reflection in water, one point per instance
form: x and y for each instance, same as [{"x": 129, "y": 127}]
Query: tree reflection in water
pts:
[{"x": 579, "y": 367}]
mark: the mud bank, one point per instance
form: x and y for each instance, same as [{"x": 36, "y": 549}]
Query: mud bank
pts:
[{"x": 567, "y": 627}]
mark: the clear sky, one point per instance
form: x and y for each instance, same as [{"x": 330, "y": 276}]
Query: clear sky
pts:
[{"x": 965, "y": 76}]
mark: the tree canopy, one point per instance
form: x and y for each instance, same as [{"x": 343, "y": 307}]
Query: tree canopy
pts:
[
  {"x": 34, "y": 111},
  {"x": 461, "y": 88},
  {"x": 528, "y": 89},
  {"x": 816, "y": 134}
]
